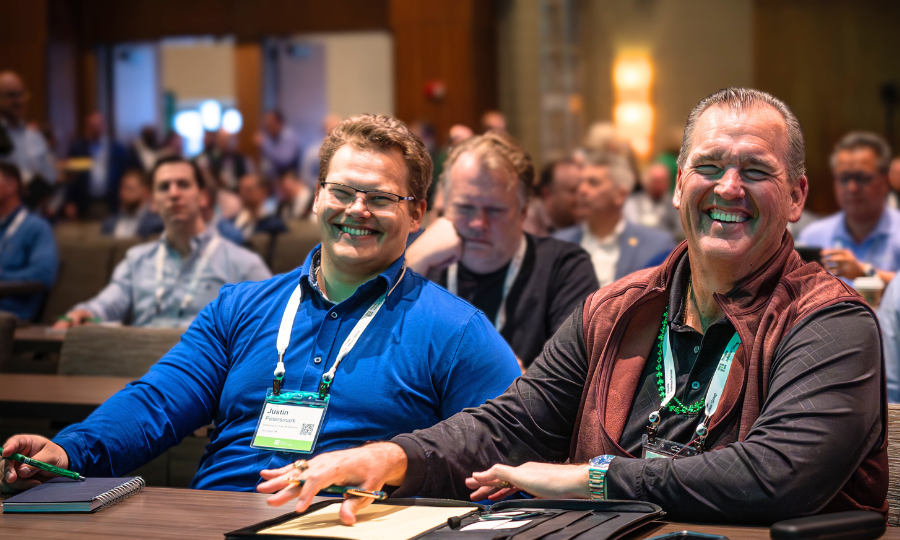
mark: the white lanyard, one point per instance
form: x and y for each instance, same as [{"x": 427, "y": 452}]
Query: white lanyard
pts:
[
  {"x": 13, "y": 227},
  {"x": 515, "y": 265},
  {"x": 202, "y": 262},
  {"x": 287, "y": 324},
  {"x": 716, "y": 386}
]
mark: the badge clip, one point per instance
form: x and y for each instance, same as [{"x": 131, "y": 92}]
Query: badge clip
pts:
[{"x": 651, "y": 429}]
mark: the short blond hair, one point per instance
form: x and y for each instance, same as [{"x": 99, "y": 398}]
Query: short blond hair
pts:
[
  {"x": 381, "y": 134},
  {"x": 496, "y": 150}
]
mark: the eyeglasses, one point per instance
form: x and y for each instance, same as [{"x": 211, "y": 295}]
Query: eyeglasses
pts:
[
  {"x": 861, "y": 178},
  {"x": 379, "y": 203}
]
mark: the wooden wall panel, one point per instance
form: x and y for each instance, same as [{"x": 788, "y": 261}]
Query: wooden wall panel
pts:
[
  {"x": 23, "y": 49},
  {"x": 248, "y": 72},
  {"x": 452, "y": 41},
  {"x": 827, "y": 59}
]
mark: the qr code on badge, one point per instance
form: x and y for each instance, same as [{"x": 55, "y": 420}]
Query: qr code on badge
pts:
[{"x": 307, "y": 429}]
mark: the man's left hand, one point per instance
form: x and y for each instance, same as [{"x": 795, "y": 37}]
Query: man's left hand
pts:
[
  {"x": 543, "y": 480},
  {"x": 842, "y": 263}
]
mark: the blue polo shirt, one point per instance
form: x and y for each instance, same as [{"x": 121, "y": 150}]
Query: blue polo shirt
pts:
[
  {"x": 881, "y": 248},
  {"x": 424, "y": 357},
  {"x": 29, "y": 254}
]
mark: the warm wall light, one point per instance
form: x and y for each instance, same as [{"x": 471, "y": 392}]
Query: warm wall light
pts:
[
  {"x": 633, "y": 118},
  {"x": 633, "y": 74}
]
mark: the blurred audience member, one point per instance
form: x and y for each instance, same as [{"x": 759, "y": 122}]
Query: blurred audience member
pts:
[
  {"x": 145, "y": 146},
  {"x": 135, "y": 218},
  {"x": 863, "y": 239},
  {"x": 894, "y": 179},
  {"x": 309, "y": 164},
  {"x": 296, "y": 197},
  {"x": 617, "y": 247},
  {"x": 167, "y": 282},
  {"x": 172, "y": 146},
  {"x": 653, "y": 206},
  {"x": 94, "y": 190},
  {"x": 27, "y": 247},
  {"x": 554, "y": 207},
  {"x": 223, "y": 162},
  {"x": 459, "y": 133},
  {"x": 278, "y": 144},
  {"x": 255, "y": 216},
  {"x": 889, "y": 320},
  {"x": 493, "y": 120},
  {"x": 22, "y": 144},
  {"x": 527, "y": 285}
]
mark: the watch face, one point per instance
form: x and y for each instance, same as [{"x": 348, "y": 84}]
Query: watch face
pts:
[{"x": 600, "y": 461}]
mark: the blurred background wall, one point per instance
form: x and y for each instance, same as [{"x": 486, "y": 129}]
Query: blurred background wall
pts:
[{"x": 551, "y": 66}]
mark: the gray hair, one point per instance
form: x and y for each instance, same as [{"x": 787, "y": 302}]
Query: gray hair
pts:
[
  {"x": 616, "y": 166},
  {"x": 496, "y": 150},
  {"x": 864, "y": 139},
  {"x": 740, "y": 100}
]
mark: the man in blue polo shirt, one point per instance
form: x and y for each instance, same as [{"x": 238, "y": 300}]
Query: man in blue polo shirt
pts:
[
  {"x": 862, "y": 239},
  {"x": 390, "y": 351}
]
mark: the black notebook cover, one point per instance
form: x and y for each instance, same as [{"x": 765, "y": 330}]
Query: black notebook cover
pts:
[{"x": 67, "y": 495}]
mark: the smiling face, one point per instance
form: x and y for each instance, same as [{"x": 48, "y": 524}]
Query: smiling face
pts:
[
  {"x": 734, "y": 193},
  {"x": 355, "y": 242},
  {"x": 486, "y": 212}
]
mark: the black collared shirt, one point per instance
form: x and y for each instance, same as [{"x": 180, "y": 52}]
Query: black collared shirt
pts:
[{"x": 696, "y": 357}]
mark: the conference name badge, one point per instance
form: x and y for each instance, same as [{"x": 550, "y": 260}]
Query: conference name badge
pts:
[
  {"x": 290, "y": 421},
  {"x": 661, "y": 448}
]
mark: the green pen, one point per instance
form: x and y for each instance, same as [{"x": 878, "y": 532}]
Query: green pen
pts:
[
  {"x": 345, "y": 490},
  {"x": 31, "y": 462}
]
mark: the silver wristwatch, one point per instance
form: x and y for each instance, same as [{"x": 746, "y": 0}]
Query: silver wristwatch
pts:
[{"x": 597, "y": 476}]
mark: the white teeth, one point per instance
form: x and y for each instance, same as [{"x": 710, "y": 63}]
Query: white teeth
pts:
[
  {"x": 718, "y": 215},
  {"x": 355, "y": 232}
]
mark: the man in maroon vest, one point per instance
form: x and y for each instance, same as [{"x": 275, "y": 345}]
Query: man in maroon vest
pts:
[{"x": 733, "y": 383}]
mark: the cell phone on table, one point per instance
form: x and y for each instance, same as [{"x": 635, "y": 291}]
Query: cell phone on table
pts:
[{"x": 689, "y": 535}]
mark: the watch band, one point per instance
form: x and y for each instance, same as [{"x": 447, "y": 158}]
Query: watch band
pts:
[
  {"x": 597, "y": 476},
  {"x": 868, "y": 269}
]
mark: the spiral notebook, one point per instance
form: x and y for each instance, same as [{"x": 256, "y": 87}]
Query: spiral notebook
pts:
[{"x": 67, "y": 495}]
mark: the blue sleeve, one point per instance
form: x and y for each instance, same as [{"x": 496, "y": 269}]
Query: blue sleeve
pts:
[
  {"x": 43, "y": 260},
  {"x": 177, "y": 396},
  {"x": 482, "y": 368},
  {"x": 889, "y": 320}
]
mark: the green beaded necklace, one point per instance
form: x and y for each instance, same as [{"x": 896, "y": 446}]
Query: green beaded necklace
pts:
[{"x": 674, "y": 405}]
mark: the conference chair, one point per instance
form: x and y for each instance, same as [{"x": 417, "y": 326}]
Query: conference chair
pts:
[
  {"x": 84, "y": 269},
  {"x": 291, "y": 248},
  {"x": 893, "y": 449},
  {"x": 7, "y": 336}
]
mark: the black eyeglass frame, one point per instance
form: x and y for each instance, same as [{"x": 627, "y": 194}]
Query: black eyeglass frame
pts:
[{"x": 367, "y": 191}]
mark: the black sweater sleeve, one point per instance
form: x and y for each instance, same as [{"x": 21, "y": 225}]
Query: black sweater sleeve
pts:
[{"x": 532, "y": 421}]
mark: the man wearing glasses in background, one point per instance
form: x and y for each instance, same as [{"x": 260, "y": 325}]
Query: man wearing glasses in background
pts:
[
  {"x": 862, "y": 239},
  {"x": 389, "y": 350}
]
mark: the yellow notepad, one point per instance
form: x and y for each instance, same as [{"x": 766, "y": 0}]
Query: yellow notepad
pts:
[{"x": 374, "y": 522}]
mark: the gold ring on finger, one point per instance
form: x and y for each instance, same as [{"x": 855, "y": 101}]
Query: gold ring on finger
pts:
[
  {"x": 301, "y": 464},
  {"x": 294, "y": 480},
  {"x": 505, "y": 485}
]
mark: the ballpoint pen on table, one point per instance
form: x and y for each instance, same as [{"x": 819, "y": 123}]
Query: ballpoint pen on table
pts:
[
  {"x": 31, "y": 462},
  {"x": 345, "y": 490}
]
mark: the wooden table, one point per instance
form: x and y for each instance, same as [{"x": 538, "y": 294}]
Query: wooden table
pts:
[
  {"x": 176, "y": 514},
  {"x": 37, "y": 339},
  {"x": 63, "y": 398}
]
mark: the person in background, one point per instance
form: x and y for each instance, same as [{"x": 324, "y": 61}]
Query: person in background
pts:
[
  {"x": 255, "y": 216},
  {"x": 223, "y": 162},
  {"x": 20, "y": 143},
  {"x": 617, "y": 247},
  {"x": 555, "y": 206},
  {"x": 889, "y": 320},
  {"x": 309, "y": 163},
  {"x": 166, "y": 283},
  {"x": 493, "y": 120},
  {"x": 144, "y": 149},
  {"x": 422, "y": 356},
  {"x": 27, "y": 247},
  {"x": 136, "y": 217},
  {"x": 295, "y": 196},
  {"x": 894, "y": 180},
  {"x": 863, "y": 239},
  {"x": 652, "y": 207},
  {"x": 278, "y": 145},
  {"x": 95, "y": 191},
  {"x": 526, "y": 284}
]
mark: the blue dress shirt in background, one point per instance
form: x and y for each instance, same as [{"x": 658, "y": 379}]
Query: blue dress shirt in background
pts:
[
  {"x": 424, "y": 357},
  {"x": 881, "y": 248},
  {"x": 889, "y": 319},
  {"x": 28, "y": 255}
]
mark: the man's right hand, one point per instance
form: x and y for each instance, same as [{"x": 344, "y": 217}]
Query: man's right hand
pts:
[
  {"x": 438, "y": 247},
  {"x": 76, "y": 317},
  {"x": 370, "y": 467},
  {"x": 19, "y": 476}
]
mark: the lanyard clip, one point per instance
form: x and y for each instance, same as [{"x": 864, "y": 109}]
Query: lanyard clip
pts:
[
  {"x": 279, "y": 375},
  {"x": 702, "y": 433},
  {"x": 324, "y": 387},
  {"x": 276, "y": 386},
  {"x": 654, "y": 423}
]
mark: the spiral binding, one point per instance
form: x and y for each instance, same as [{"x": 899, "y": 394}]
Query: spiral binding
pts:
[{"x": 121, "y": 493}]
